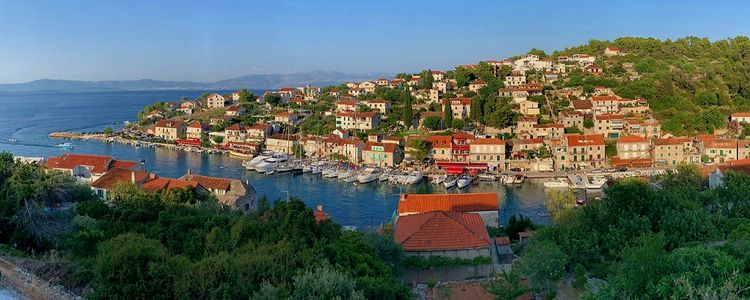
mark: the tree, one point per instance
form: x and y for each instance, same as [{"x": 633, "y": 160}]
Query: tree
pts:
[
  {"x": 573, "y": 130},
  {"x": 363, "y": 108},
  {"x": 588, "y": 123},
  {"x": 610, "y": 148},
  {"x": 458, "y": 124},
  {"x": 218, "y": 139},
  {"x": 273, "y": 99},
  {"x": 447, "y": 113},
  {"x": 407, "y": 113},
  {"x": 544, "y": 264},
  {"x": 559, "y": 201},
  {"x": 245, "y": 96},
  {"x": 108, "y": 131},
  {"x": 579, "y": 277},
  {"x": 420, "y": 149},
  {"x": 543, "y": 152},
  {"x": 432, "y": 122},
  {"x": 325, "y": 284}
]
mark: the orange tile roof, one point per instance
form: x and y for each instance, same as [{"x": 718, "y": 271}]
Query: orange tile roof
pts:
[
  {"x": 604, "y": 98},
  {"x": 463, "y": 101},
  {"x": 196, "y": 124},
  {"x": 98, "y": 163},
  {"x": 440, "y": 141},
  {"x": 488, "y": 141},
  {"x": 672, "y": 141},
  {"x": 420, "y": 203},
  {"x": 259, "y": 127},
  {"x": 236, "y": 127},
  {"x": 214, "y": 183},
  {"x": 741, "y": 115},
  {"x": 632, "y": 139},
  {"x": 166, "y": 184},
  {"x": 582, "y": 104},
  {"x": 320, "y": 215},
  {"x": 436, "y": 231},
  {"x": 119, "y": 175},
  {"x": 721, "y": 143},
  {"x": 168, "y": 123},
  {"x": 460, "y": 135},
  {"x": 387, "y": 147},
  {"x": 608, "y": 117}
]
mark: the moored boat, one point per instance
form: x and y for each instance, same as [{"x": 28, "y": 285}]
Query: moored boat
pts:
[
  {"x": 557, "y": 183},
  {"x": 450, "y": 182},
  {"x": 464, "y": 181}
]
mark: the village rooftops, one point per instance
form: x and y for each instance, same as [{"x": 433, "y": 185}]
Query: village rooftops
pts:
[
  {"x": 283, "y": 137},
  {"x": 488, "y": 141},
  {"x": 463, "y": 101},
  {"x": 211, "y": 183},
  {"x": 167, "y": 184},
  {"x": 236, "y": 127},
  {"x": 435, "y": 231},
  {"x": 582, "y": 104},
  {"x": 440, "y": 141},
  {"x": 195, "y": 124},
  {"x": 575, "y": 140},
  {"x": 110, "y": 178},
  {"x": 605, "y": 98},
  {"x": 721, "y": 143},
  {"x": 98, "y": 163},
  {"x": 473, "y": 202},
  {"x": 741, "y": 115},
  {"x": 673, "y": 141}
]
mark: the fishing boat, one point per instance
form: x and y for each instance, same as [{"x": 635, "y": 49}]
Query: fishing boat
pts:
[
  {"x": 518, "y": 179},
  {"x": 368, "y": 175},
  {"x": 13, "y": 140},
  {"x": 508, "y": 179},
  {"x": 487, "y": 177},
  {"x": 557, "y": 183},
  {"x": 450, "y": 182},
  {"x": 464, "y": 181},
  {"x": 438, "y": 179},
  {"x": 384, "y": 177},
  {"x": 283, "y": 168}
]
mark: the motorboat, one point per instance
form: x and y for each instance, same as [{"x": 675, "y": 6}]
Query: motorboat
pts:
[
  {"x": 597, "y": 183},
  {"x": 413, "y": 178},
  {"x": 65, "y": 145},
  {"x": 508, "y": 179},
  {"x": 352, "y": 178},
  {"x": 317, "y": 170},
  {"x": 384, "y": 177},
  {"x": 557, "y": 183},
  {"x": 13, "y": 140},
  {"x": 271, "y": 162},
  {"x": 345, "y": 174},
  {"x": 368, "y": 175},
  {"x": 250, "y": 164},
  {"x": 464, "y": 181},
  {"x": 270, "y": 172},
  {"x": 284, "y": 168},
  {"x": 487, "y": 177},
  {"x": 332, "y": 173},
  {"x": 518, "y": 179},
  {"x": 438, "y": 179},
  {"x": 450, "y": 182},
  {"x": 307, "y": 169}
]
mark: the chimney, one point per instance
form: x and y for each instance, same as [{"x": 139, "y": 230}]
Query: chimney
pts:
[
  {"x": 319, "y": 207},
  {"x": 190, "y": 171},
  {"x": 151, "y": 176},
  {"x": 132, "y": 176}
]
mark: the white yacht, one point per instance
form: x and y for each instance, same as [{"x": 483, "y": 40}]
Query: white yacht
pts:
[
  {"x": 438, "y": 179},
  {"x": 345, "y": 174},
  {"x": 557, "y": 183},
  {"x": 384, "y": 177},
  {"x": 487, "y": 177},
  {"x": 464, "y": 181},
  {"x": 271, "y": 162},
  {"x": 508, "y": 179},
  {"x": 368, "y": 175}
]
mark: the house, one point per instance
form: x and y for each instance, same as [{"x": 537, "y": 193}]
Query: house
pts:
[
  {"x": 170, "y": 130},
  {"x": 195, "y": 130},
  {"x": 488, "y": 150},
  {"x": 162, "y": 184},
  {"x": 525, "y": 123},
  {"x": 515, "y": 79},
  {"x": 485, "y": 205},
  {"x": 368, "y": 86},
  {"x": 187, "y": 107},
  {"x": 477, "y": 84},
  {"x": 347, "y": 105},
  {"x": 518, "y": 94},
  {"x": 235, "y": 133},
  {"x": 551, "y": 131},
  {"x": 87, "y": 168},
  {"x": 610, "y": 125},
  {"x": 460, "y": 146},
  {"x": 320, "y": 215},
  {"x": 281, "y": 143},
  {"x": 258, "y": 131},
  {"x": 235, "y": 111},
  {"x": 582, "y": 106},
  {"x": 716, "y": 176},
  {"x": 382, "y": 82},
  {"x": 594, "y": 70},
  {"x": 460, "y": 107},
  {"x": 335, "y": 92},
  {"x": 740, "y": 117},
  {"x": 286, "y": 117},
  {"x": 441, "y": 146},
  {"x": 522, "y": 147},
  {"x": 444, "y": 234},
  {"x": 103, "y": 184},
  {"x": 633, "y": 146},
  {"x": 381, "y": 154},
  {"x": 382, "y": 106},
  {"x": 583, "y": 151},
  {"x": 216, "y": 101},
  {"x": 230, "y": 192},
  {"x": 438, "y": 75},
  {"x": 352, "y": 149},
  {"x": 358, "y": 120},
  {"x": 606, "y": 104},
  {"x": 646, "y": 128},
  {"x": 720, "y": 150},
  {"x": 674, "y": 151},
  {"x": 572, "y": 119},
  {"x": 153, "y": 115},
  {"x": 528, "y": 108},
  {"x": 311, "y": 92},
  {"x": 356, "y": 92},
  {"x": 612, "y": 51},
  {"x": 343, "y": 134}
]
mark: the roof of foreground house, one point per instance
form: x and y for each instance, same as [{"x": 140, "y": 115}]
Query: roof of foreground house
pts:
[{"x": 437, "y": 231}]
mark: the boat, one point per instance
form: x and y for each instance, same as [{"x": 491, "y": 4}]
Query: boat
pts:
[
  {"x": 368, "y": 175},
  {"x": 352, "y": 178},
  {"x": 65, "y": 145},
  {"x": 271, "y": 162},
  {"x": 345, "y": 174},
  {"x": 508, "y": 179},
  {"x": 332, "y": 173},
  {"x": 464, "y": 181},
  {"x": 13, "y": 140},
  {"x": 487, "y": 177},
  {"x": 284, "y": 168},
  {"x": 317, "y": 170},
  {"x": 250, "y": 164},
  {"x": 270, "y": 172},
  {"x": 307, "y": 169},
  {"x": 438, "y": 179},
  {"x": 450, "y": 182},
  {"x": 557, "y": 183},
  {"x": 413, "y": 178},
  {"x": 384, "y": 177},
  {"x": 518, "y": 179},
  {"x": 297, "y": 170},
  {"x": 597, "y": 183}
]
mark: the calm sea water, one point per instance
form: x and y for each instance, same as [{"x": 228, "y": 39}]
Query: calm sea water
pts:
[{"x": 30, "y": 117}]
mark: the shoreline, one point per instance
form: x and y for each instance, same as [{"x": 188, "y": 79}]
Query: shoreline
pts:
[{"x": 101, "y": 137}]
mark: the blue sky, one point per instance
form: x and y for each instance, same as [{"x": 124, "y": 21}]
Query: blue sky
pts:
[{"x": 207, "y": 41}]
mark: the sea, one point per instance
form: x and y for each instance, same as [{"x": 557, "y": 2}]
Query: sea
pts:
[{"x": 30, "y": 117}]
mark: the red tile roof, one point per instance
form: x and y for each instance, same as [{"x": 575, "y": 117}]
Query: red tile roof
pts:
[
  {"x": 98, "y": 163},
  {"x": 440, "y": 141},
  {"x": 722, "y": 143},
  {"x": 196, "y": 124},
  {"x": 575, "y": 140},
  {"x": 420, "y": 203},
  {"x": 214, "y": 183},
  {"x": 741, "y": 115},
  {"x": 488, "y": 141},
  {"x": 236, "y": 127},
  {"x": 582, "y": 104},
  {"x": 436, "y": 231},
  {"x": 168, "y": 123},
  {"x": 387, "y": 147},
  {"x": 604, "y": 98},
  {"x": 632, "y": 139},
  {"x": 320, "y": 215},
  {"x": 166, "y": 184},
  {"x": 119, "y": 175},
  {"x": 672, "y": 141}
]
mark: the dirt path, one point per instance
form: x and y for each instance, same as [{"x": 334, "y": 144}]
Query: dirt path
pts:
[{"x": 28, "y": 285}]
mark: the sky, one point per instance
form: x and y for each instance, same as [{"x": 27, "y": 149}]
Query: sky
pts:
[{"x": 214, "y": 40}]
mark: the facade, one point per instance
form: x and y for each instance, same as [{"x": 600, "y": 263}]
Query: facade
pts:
[
  {"x": 674, "y": 151},
  {"x": 720, "y": 150},
  {"x": 515, "y": 79},
  {"x": 382, "y": 106},
  {"x": 633, "y": 147},
  {"x": 104, "y": 184},
  {"x": 461, "y": 107},
  {"x": 582, "y": 151},
  {"x": 170, "y": 130},
  {"x": 381, "y": 154},
  {"x": 358, "y": 120},
  {"x": 286, "y": 117},
  {"x": 235, "y": 133},
  {"x": 610, "y": 125},
  {"x": 441, "y": 146},
  {"x": 281, "y": 143},
  {"x": 258, "y": 131},
  {"x": 216, "y": 101},
  {"x": 488, "y": 150},
  {"x": 528, "y": 108},
  {"x": 195, "y": 130},
  {"x": 87, "y": 168},
  {"x": 740, "y": 117},
  {"x": 477, "y": 84},
  {"x": 230, "y": 192}
]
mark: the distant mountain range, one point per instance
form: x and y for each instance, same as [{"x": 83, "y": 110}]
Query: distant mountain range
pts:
[{"x": 258, "y": 81}]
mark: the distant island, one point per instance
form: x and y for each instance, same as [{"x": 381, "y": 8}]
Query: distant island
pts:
[{"x": 254, "y": 81}]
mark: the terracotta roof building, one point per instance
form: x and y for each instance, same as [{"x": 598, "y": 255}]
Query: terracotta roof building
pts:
[
  {"x": 483, "y": 204},
  {"x": 230, "y": 192},
  {"x": 447, "y": 234},
  {"x": 87, "y": 168}
]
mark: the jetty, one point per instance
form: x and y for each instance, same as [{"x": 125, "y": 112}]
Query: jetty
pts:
[{"x": 102, "y": 137}]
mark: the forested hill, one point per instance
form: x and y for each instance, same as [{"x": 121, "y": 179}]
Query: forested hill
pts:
[{"x": 692, "y": 84}]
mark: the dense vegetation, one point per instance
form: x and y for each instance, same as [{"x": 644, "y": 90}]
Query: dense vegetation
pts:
[
  {"x": 678, "y": 242},
  {"x": 181, "y": 244},
  {"x": 682, "y": 79}
]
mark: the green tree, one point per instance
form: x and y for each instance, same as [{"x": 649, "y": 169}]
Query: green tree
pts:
[
  {"x": 108, "y": 131},
  {"x": 543, "y": 152},
  {"x": 579, "y": 277},
  {"x": 218, "y": 139},
  {"x": 407, "y": 112},
  {"x": 559, "y": 201},
  {"x": 420, "y": 149},
  {"x": 544, "y": 264},
  {"x": 573, "y": 130},
  {"x": 447, "y": 113},
  {"x": 325, "y": 284},
  {"x": 274, "y": 99},
  {"x": 245, "y": 96},
  {"x": 588, "y": 123},
  {"x": 432, "y": 122},
  {"x": 298, "y": 150},
  {"x": 610, "y": 148}
]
